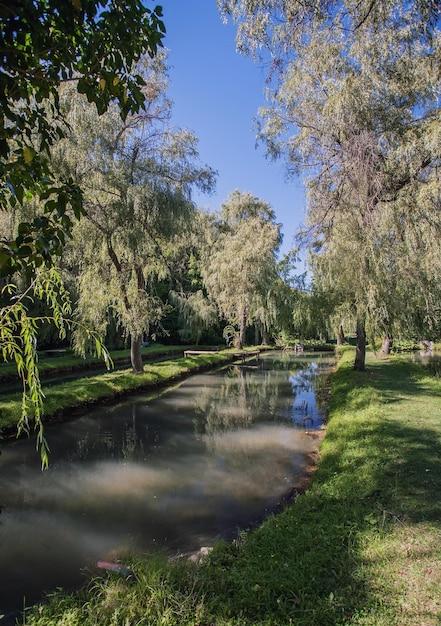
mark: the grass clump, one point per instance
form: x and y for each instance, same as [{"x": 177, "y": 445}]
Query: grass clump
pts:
[
  {"x": 361, "y": 548},
  {"x": 157, "y": 593}
]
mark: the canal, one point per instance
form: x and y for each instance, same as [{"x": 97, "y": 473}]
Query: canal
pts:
[{"x": 172, "y": 472}]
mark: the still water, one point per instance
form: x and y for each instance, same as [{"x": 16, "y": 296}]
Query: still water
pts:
[{"x": 174, "y": 472}]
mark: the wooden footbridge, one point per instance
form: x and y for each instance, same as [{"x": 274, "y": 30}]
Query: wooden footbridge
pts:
[{"x": 242, "y": 355}]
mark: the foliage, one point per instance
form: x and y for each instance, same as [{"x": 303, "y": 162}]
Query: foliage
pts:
[
  {"x": 311, "y": 313},
  {"x": 46, "y": 43},
  {"x": 197, "y": 317},
  {"x": 137, "y": 175},
  {"x": 18, "y": 342},
  {"x": 231, "y": 335},
  {"x": 239, "y": 263},
  {"x": 353, "y": 101},
  {"x": 287, "y": 341},
  {"x": 197, "y": 313}
]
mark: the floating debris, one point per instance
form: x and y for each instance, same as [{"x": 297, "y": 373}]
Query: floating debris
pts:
[{"x": 117, "y": 568}]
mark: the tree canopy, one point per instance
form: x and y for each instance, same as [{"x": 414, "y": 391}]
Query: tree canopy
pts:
[
  {"x": 45, "y": 43},
  {"x": 240, "y": 263},
  {"x": 137, "y": 175}
]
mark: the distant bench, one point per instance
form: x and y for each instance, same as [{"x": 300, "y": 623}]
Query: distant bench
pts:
[{"x": 194, "y": 352}]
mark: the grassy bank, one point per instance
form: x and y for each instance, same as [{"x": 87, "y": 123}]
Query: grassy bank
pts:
[
  {"x": 85, "y": 391},
  {"x": 362, "y": 547},
  {"x": 69, "y": 362}
]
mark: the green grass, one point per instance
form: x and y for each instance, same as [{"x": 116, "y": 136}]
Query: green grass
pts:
[
  {"x": 69, "y": 362},
  {"x": 361, "y": 548},
  {"x": 84, "y": 391}
]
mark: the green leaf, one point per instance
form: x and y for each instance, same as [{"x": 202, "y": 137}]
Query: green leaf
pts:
[{"x": 28, "y": 154}]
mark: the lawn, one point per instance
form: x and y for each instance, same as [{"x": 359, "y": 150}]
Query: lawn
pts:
[
  {"x": 362, "y": 547},
  {"x": 69, "y": 362}
]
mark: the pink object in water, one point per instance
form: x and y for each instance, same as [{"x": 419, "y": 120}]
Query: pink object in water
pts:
[{"x": 114, "y": 567}]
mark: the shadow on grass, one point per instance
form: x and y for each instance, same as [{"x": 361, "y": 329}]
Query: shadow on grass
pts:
[{"x": 305, "y": 565}]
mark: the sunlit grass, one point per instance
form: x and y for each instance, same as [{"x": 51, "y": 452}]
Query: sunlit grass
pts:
[{"x": 71, "y": 362}]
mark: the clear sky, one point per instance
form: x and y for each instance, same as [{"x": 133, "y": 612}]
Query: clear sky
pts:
[{"x": 216, "y": 94}]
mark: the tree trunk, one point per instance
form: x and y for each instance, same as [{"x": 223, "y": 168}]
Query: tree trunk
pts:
[
  {"x": 241, "y": 337},
  {"x": 135, "y": 353},
  {"x": 341, "y": 339},
  {"x": 386, "y": 345},
  {"x": 360, "y": 349},
  {"x": 135, "y": 340},
  {"x": 265, "y": 338},
  {"x": 242, "y": 328},
  {"x": 256, "y": 335}
]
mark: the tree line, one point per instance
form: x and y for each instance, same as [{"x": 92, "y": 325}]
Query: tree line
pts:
[
  {"x": 99, "y": 235},
  {"x": 354, "y": 94},
  {"x": 142, "y": 249}
]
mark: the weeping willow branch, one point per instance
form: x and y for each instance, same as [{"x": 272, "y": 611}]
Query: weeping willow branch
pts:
[{"x": 18, "y": 343}]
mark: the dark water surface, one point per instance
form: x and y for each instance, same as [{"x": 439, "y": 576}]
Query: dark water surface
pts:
[{"x": 173, "y": 472}]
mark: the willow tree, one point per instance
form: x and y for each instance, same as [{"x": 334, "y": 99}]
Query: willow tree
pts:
[
  {"x": 239, "y": 263},
  {"x": 312, "y": 313},
  {"x": 408, "y": 270},
  {"x": 275, "y": 301},
  {"x": 196, "y": 312},
  {"x": 137, "y": 175},
  {"x": 353, "y": 102}
]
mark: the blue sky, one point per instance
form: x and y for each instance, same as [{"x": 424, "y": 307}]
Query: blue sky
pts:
[{"x": 217, "y": 93}]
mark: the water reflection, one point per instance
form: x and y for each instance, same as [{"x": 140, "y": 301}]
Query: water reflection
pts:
[
  {"x": 431, "y": 360},
  {"x": 311, "y": 395},
  {"x": 282, "y": 387},
  {"x": 246, "y": 396},
  {"x": 176, "y": 471}
]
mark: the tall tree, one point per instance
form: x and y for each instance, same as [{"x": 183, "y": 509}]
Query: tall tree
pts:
[
  {"x": 239, "y": 263},
  {"x": 197, "y": 313},
  {"x": 137, "y": 175}
]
